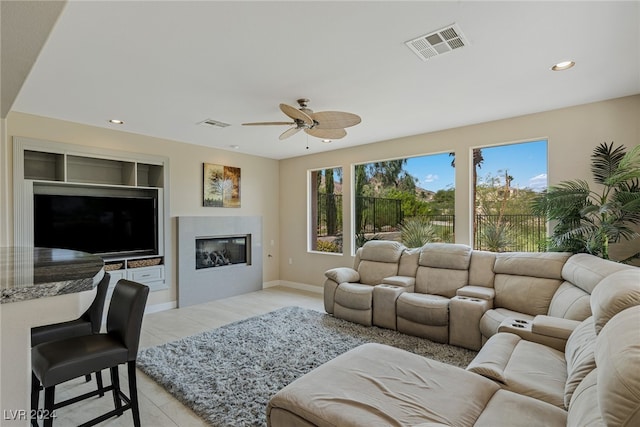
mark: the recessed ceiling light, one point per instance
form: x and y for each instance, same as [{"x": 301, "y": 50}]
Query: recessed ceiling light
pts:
[
  {"x": 326, "y": 140},
  {"x": 116, "y": 122},
  {"x": 564, "y": 65}
]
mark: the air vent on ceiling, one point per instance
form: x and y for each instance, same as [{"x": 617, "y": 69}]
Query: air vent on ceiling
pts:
[
  {"x": 214, "y": 123},
  {"x": 438, "y": 42}
]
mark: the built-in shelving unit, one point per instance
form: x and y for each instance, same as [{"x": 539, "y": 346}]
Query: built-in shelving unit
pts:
[{"x": 46, "y": 166}]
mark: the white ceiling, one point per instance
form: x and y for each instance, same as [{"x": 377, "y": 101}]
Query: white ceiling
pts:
[{"x": 164, "y": 66}]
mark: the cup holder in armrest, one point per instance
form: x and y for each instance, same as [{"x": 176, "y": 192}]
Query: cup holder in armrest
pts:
[
  {"x": 517, "y": 325},
  {"x": 520, "y": 321}
]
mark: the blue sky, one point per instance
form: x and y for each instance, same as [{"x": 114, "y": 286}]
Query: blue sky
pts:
[{"x": 525, "y": 162}]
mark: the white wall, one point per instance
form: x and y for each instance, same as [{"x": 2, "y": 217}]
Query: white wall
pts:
[
  {"x": 572, "y": 135},
  {"x": 277, "y": 190},
  {"x": 259, "y": 180}
]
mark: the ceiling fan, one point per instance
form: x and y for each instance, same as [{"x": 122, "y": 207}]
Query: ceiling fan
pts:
[{"x": 324, "y": 124}]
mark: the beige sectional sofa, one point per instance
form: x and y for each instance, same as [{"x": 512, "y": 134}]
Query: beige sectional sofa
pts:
[
  {"x": 572, "y": 359},
  {"x": 451, "y": 294}
]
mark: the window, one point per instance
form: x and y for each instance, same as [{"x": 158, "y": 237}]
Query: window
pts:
[
  {"x": 326, "y": 210},
  {"x": 410, "y": 200},
  {"x": 505, "y": 180}
]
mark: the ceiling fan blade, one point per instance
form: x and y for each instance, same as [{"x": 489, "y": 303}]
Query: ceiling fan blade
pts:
[
  {"x": 327, "y": 133},
  {"x": 268, "y": 123},
  {"x": 335, "y": 119},
  {"x": 289, "y": 132},
  {"x": 296, "y": 114}
]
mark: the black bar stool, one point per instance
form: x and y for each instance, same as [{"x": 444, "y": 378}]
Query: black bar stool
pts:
[
  {"x": 58, "y": 361},
  {"x": 89, "y": 323}
]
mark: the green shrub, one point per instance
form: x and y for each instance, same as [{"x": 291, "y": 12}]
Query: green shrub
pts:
[
  {"x": 324, "y": 246},
  {"x": 416, "y": 231}
]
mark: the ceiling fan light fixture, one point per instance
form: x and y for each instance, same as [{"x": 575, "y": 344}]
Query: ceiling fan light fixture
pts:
[
  {"x": 564, "y": 65},
  {"x": 326, "y": 125}
]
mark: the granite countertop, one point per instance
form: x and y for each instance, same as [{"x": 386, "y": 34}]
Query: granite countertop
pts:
[{"x": 30, "y": 273}]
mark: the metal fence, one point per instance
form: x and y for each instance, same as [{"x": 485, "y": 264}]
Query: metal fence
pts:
[
  {"x": 376, "y": 214},
  {"x": 520, "y": 232}
]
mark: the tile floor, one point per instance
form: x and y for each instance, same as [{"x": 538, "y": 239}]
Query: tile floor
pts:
[{"x": 157, "y": 407}]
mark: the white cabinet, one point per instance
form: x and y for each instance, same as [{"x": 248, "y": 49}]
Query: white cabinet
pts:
[
  {"x": 137, "y": 270},
  {"x": 54, "y": 167}
]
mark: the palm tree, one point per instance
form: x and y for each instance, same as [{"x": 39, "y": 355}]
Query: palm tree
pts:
[{"x": 588, "y": 221}]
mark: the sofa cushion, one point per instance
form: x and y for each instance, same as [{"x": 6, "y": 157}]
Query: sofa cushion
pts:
[
  {"x": 584, "y": 410},
  {"x": 580, "y": 357},
  {"x": 373, "y": 272},
  {"x": 613, "y": 294},
  {"x": 382, "y": 251},
  {"x": 570, "y": 302},
  {"x": 440, "y": 281},
  {"x": 354, "y": 295},
  {"x": 586, "y": 271},
  {"x": 376, "y": 385},
  {"x": 525, "y": 294},
  {"x": 523, "y": 367},
  {"x": 617, "y": 355},
  {"x": 515, "y": 410},
  {"x": 534, "y": 264},
  {"x": 424, "y": 309},
  {"x": 537, "y": 371},
  {"x": 445, "y": 255}
]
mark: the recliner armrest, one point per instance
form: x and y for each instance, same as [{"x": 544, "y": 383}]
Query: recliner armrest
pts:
[
  {"x": 556, "y": 327},
  {"x": 493, "y": 358},
  {"x": 403, "y": 281},
  {"x": 342, "y": 274},
  {"x": 479, "y": 292}
]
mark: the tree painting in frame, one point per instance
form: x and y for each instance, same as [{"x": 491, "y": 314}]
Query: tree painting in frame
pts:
[{"x": 221, "y": 186}]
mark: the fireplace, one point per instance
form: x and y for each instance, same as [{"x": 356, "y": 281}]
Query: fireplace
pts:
[
  {"x": 221, "y": 251},
  {"x": 218, "y": 257}
]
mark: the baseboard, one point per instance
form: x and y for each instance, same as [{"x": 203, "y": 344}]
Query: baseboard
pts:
[
  {"x": 155, "y": 308},
  {"x": 294, "y": 285}
]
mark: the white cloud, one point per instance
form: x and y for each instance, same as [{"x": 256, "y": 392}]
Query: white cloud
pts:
[
  {"x": 431, "y": 178},
  {"x": 538, "y": 182}
]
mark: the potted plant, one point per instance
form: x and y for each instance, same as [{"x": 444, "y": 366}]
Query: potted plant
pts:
[{"x": 590, "y": 220}]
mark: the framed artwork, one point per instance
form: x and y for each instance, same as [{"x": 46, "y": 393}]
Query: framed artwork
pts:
[{"x": 221, "y": 185}]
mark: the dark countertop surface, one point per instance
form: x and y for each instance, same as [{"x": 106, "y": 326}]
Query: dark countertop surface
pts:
[{"x": 30, "y": 273}]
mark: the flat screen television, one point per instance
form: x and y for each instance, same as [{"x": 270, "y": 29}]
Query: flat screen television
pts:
[{"x": 101, "y": 225}]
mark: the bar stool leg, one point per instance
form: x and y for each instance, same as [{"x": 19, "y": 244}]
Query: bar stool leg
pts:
[
  {"x": 98, "y": 381},
  {"x": 49, "y": 397},
  {"x": 35, "y": 397},
  {"x": 115, "y": 381},
  {"x": 133, "y": 392}
]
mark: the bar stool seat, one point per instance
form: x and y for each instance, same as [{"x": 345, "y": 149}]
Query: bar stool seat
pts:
[
  {"x": 55, "y": 362},
  {"x": 89, "y": 323}
]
